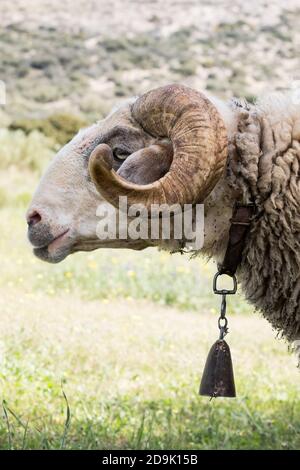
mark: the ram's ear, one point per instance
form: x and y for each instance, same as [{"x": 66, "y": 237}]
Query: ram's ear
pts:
[{"x": 148, "y": 164}]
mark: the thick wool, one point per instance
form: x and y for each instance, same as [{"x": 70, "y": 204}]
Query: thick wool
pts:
[{"x": 264, "y": 167}]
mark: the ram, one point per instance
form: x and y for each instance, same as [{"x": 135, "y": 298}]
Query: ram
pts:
[{"x": 177, "y": 145}]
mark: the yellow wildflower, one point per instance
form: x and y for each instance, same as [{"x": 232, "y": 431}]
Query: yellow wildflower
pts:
[
  {"x": 131, "y": 273},
  {"x": 92, "y": 264}
]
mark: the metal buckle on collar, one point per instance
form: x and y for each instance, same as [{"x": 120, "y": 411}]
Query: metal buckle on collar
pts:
[{"x": 224, "y": 291}]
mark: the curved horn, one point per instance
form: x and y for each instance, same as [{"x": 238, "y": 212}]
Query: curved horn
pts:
[{"x": 199, "y": 140}]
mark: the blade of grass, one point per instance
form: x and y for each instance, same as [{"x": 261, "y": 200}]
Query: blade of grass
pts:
[
  {"x": 67, "y": 422},
  {"x": 10, "y": 444},
  {"x": 25, "y": 435},
  {"x": 140, "y": 432},
  {"x": 19, "y": 421}
]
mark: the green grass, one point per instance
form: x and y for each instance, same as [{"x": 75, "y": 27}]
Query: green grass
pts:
[
  {"x": 131, "y": 371},
  {"x": 106, "y": 350}
]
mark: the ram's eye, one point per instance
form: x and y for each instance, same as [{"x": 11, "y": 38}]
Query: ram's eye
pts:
[{"x": 120, "y": 154}]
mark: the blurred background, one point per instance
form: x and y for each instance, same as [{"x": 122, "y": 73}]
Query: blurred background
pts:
[{"x": 106, "y": 349}]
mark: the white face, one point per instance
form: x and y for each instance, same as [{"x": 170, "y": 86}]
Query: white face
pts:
[
  {"x": 63, "y": 209},
  {"x": 62, "y": 215}
]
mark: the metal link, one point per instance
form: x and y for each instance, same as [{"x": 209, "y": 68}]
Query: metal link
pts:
[
  {"x": 225, "y": 323},
  {"x": 222, "y": 320},
  {"x": 224, "y": 291},
  {"x": 223, "y": 306},
  {"x": 223, "y": 332},
  {"x": 223, "y": 327}
]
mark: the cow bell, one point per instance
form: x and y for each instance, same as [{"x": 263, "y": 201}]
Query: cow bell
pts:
[{"x": 218, "y": 379}]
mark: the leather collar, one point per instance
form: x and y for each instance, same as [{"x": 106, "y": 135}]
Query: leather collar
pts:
[{"x": 242, "y": 217}]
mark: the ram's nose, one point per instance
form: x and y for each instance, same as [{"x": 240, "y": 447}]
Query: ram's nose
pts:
[
  {"x": 33, "y": 218},
  {"x": 39, "y": 228}
]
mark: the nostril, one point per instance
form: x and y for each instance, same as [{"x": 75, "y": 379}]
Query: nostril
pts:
[{"x": 34, "y": 218}]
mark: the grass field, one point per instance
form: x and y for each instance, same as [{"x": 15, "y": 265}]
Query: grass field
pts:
[{"x": 106, "y": 350}]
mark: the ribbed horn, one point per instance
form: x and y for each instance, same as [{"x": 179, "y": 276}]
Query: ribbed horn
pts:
[{"x": 199, "y": 140}]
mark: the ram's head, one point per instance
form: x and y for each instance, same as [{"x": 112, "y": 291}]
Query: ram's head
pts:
[{"x": 168, "y": 146}]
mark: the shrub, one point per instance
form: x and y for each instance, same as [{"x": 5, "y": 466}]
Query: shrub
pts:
[
  {"x": 31, "y": 151},
  {"x": 60, "y": 127}
]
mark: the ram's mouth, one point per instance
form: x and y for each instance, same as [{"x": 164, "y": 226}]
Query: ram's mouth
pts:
[
  {"x": 57, "y": 241},
  {"x": 56, "y": 250}
]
